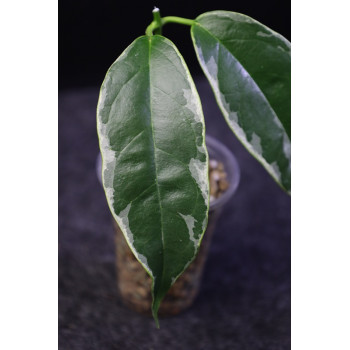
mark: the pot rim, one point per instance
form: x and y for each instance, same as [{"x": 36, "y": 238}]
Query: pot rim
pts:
[{"x": 220, "y": 152}]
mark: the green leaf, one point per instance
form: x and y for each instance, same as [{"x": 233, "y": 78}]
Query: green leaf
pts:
[
  {"x": 155, "y": 164},
  {"x": 248, "y": 67}
]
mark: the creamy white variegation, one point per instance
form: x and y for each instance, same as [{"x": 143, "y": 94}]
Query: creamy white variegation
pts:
[
  {"x": 262, "y": 34},
  {"x": 256, "y": 143},
  {"x": 192, "y": 104},
  {"x": 108, "y": 155},
  {"x": 190, "y": 222},
  {"x": 198, "y": 171}
]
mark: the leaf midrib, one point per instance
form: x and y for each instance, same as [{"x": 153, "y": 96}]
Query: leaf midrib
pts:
[{"x": 154, "y": 155}]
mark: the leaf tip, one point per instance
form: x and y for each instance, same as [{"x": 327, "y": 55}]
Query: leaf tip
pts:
[{"x": 155, "y": 314}]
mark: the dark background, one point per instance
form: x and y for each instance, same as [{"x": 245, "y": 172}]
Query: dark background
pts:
[
  {"x": 93, "y": 33},
  {"x": 244, "y": 301}
]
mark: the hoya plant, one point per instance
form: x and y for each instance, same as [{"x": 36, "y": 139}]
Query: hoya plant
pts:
[{"x": 152, "y": 133}]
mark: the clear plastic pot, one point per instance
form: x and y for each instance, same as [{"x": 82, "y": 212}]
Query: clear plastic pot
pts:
[{"x": 134, "y": 283}]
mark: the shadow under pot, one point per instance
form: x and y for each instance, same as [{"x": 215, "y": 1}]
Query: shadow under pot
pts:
[{"x": 134, "y": 283}]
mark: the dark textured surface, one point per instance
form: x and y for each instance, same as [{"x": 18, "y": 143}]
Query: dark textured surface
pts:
[{"x": 244, "y": 302}]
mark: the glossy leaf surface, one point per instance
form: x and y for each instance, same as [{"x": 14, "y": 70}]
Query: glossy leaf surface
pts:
[
  {"x": 248, "y": 67},
  {"x": 155, "y": 166}
]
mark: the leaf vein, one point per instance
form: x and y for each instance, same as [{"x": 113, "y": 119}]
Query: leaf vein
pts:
[
  {"x": 143, "y": 192},
  {"x": 133, "y": 139}
]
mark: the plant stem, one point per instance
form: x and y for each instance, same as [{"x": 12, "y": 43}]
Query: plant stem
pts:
[
  {"x": 179, "y": 20},
  {"x": 158, "y": 22},
  {"x": 158, "y": 19}
]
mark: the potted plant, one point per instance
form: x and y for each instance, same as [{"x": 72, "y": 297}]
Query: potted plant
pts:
[{"x": 152, "y": 133}]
